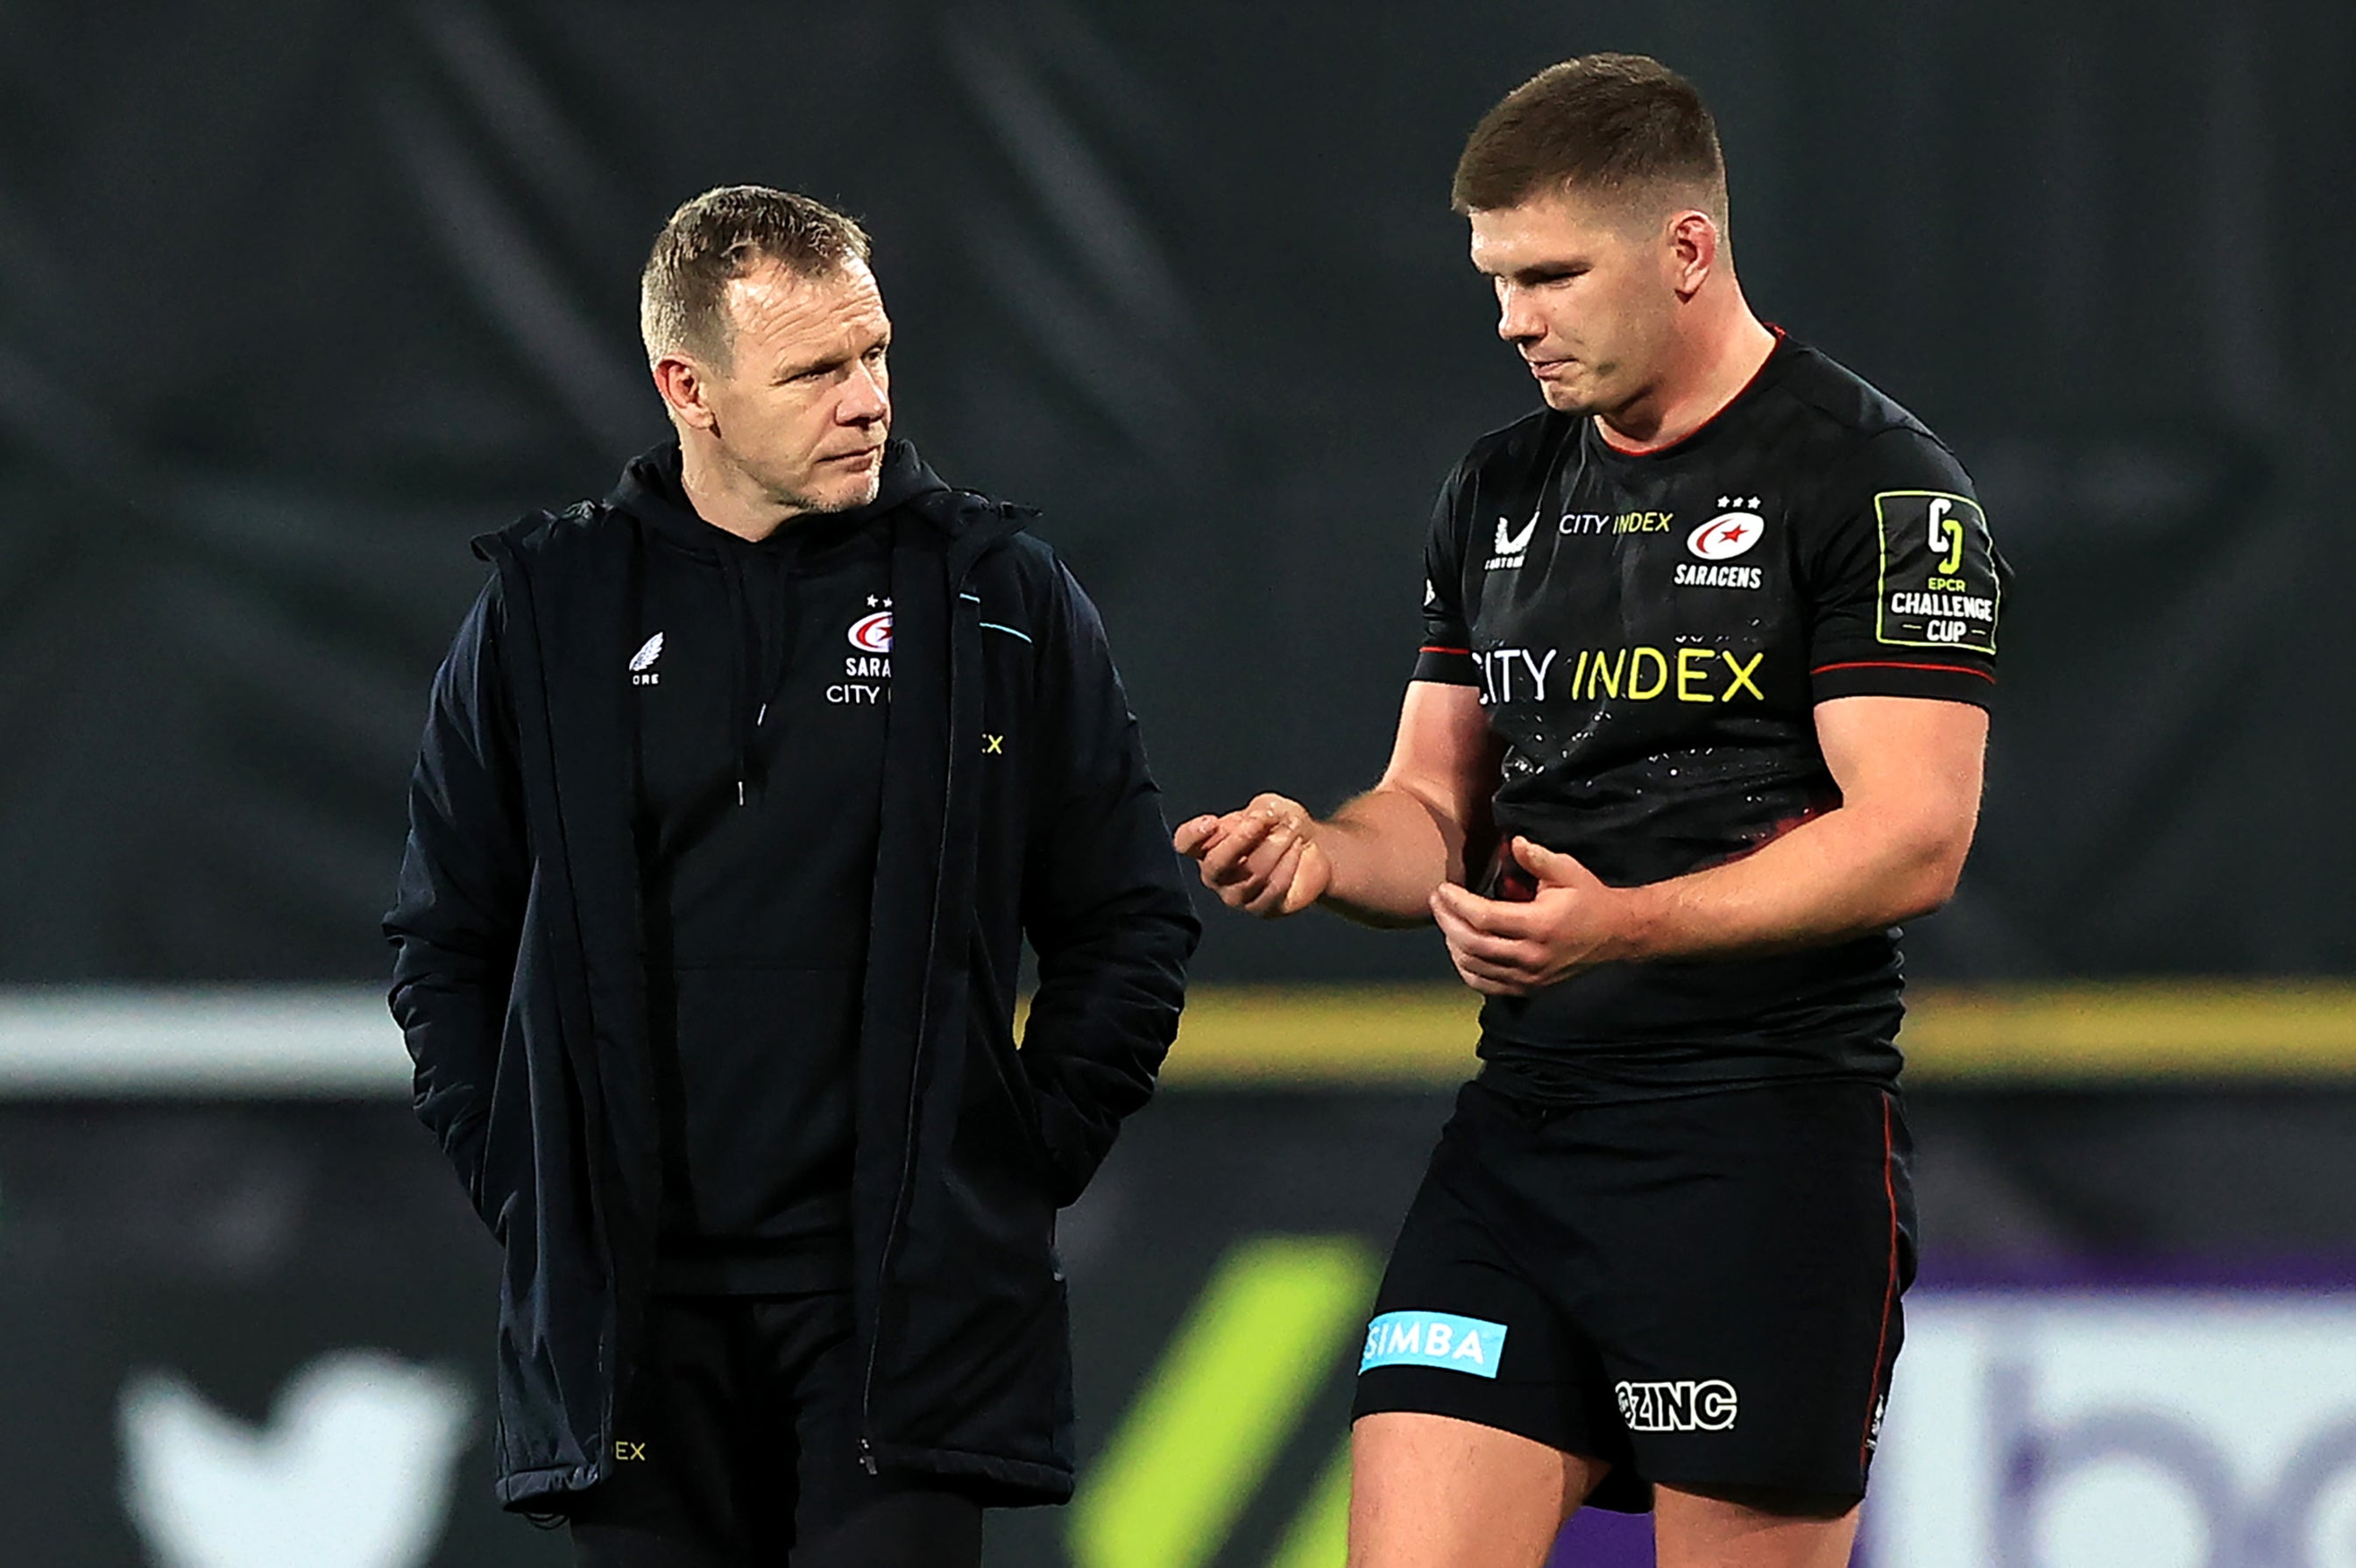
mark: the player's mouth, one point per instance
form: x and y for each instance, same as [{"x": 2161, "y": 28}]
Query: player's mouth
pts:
[
  {"x": 862, "y": 457},
  {"x": 1548, "y": 370}
]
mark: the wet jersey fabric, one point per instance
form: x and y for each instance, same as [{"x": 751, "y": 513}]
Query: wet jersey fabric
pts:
[{"x": 1650, "y": 634}]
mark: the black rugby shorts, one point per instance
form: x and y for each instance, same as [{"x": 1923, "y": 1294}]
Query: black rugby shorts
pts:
[
  {"x": 1702, "y": 1291},
  {"x": 737, "y": 1447}
]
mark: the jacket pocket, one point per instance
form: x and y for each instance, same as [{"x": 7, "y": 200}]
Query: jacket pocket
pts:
[
  {"x": 982, "y": 1385},
  {"x": 999, "y": 1095},
  {"x": 502, "y": 1146}
]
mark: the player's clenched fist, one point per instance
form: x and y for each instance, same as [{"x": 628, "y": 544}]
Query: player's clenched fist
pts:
[{"x": 1263, "y": 859}]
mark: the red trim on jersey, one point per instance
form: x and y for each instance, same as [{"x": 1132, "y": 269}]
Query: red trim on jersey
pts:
[
  {"x": 1430, "y": 648},
  {"x": 1890, "y": 1297},
  {"x": 1671, "y": 445},
  {"x": 1894, "y": 664}
]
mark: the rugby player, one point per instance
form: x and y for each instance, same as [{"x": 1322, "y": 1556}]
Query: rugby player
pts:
[{"x": 1698, "y": 718}]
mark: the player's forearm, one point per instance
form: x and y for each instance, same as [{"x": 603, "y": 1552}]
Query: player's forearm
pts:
[
  {"x": 1389, "y": 849},
  {"x": 1853, "y": 871}
]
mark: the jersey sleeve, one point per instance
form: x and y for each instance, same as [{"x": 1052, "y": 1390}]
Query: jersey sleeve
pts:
[
  {"x": 1446, "y": 655},
  {"x": 1905, "y": 585}
]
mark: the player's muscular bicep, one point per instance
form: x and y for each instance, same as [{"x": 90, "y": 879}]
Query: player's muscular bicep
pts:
[
  {"x": 1912, "y": 767},
  {"x": 1445, "y": 756}
]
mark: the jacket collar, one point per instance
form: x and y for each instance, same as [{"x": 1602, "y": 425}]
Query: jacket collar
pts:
[
  {"x": 649, "y": 489},
  {"x": 961, "y": 526}
]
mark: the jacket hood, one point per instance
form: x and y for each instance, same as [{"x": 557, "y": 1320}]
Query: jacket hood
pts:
[{"x": 650, "y": 490}]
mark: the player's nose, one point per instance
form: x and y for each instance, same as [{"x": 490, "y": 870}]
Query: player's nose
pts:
[{"x": 1516, "y": 321}]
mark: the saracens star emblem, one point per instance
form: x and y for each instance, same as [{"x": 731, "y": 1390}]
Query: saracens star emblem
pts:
[
  {"x": 873, "y": 633},
  {"x": 1734, "y": 530}
]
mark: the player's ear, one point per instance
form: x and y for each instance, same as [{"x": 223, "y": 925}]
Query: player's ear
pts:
[{"x": 1692, "y": 252}]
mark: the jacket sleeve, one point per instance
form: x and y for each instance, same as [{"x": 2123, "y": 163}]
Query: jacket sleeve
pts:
[
  {"x": 464, "y": 878},
  {"x": 1105, "y": 904}
]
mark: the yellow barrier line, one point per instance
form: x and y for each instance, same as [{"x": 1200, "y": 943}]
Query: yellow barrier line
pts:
[
  {"x": 2091, "y": 1030},
  {"x": 1370, "y": 1034},
  {"x": 2079, "y": 1032}
]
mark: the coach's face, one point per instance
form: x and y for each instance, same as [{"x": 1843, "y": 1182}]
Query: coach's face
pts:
[
  {"x": 804, "y": 404},
  {"x": 1584, "y": 293}
]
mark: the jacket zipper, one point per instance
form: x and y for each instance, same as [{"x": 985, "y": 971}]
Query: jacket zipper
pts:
[{"x": 867, "y": 1458}]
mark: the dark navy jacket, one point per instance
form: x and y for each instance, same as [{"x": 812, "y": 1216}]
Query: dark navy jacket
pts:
[{"x": 1016, "y": 801}]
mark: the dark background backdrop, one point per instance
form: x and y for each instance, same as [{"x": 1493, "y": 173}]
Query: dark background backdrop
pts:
[{"x": 296, "y": 298}]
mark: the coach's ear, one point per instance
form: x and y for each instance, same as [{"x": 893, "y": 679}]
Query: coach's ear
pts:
[{"x": 681, "y": 381}]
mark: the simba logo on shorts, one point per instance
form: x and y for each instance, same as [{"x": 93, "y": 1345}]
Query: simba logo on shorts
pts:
[
  {"x": 1434, "y": 1339},
  {"x": 1687, "y": 1406}
]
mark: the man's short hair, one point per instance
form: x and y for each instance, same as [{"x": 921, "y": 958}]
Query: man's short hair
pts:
[
  {"x": 721, "y": 235},
  {"x": 1622, "y": 127}
]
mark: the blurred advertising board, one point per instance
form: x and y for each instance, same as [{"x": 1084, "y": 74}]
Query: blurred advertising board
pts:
[
  {"x": 2122, "y": 1423},
  {"x": 253, "y": 1334},
  {"x": 249, "y": 1313}
]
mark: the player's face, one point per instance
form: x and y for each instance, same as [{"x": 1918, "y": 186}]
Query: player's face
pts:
[
  {"x": 804, "y": 404},
  {"x": 1583, "y": 295}
]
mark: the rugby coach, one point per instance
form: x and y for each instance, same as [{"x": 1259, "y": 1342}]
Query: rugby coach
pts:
[{"x": 740, "y": 791}]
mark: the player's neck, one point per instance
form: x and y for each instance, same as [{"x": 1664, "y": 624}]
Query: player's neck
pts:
[{"x": 1720, "y": 360}]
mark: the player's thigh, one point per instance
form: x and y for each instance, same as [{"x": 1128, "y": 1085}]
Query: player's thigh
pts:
[
  {"x": 1483, "y": 1416},
  {"x": 1694, "y": 1531},
  {"x": 1749, "y": 1317},
  {"x": 1432, "y": 1492}
]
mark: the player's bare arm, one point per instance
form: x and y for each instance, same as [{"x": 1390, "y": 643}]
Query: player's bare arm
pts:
[
  {"x": 1909, "y": 771},
  {"x": 1378, "y": 859}
]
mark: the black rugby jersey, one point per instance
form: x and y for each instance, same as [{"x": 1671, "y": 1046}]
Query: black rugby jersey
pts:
[{"x": 1650, "y": 634}]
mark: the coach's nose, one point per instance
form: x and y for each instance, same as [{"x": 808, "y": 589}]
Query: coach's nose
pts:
[{"x": 866, "y": 397}]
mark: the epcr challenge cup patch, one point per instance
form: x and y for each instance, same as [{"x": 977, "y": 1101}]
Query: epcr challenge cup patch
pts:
[{"x": 1939, "y": 587}]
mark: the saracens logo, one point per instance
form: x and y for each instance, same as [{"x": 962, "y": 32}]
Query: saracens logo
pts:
[
  {"x": 867, "y": 674},
  {"x": 1732, "y": 532},
  {"x": 873, "y": 633}
]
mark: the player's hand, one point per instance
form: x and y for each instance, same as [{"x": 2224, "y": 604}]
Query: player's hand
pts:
[
  {"x": 1263, "y": 859},
  {"x": 1509, "y": 949}
]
